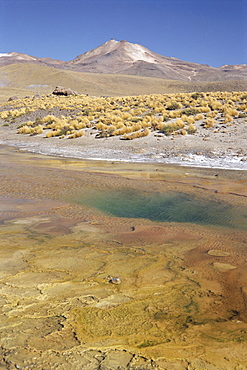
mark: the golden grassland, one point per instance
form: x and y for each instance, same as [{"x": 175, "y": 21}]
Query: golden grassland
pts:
[{"x": 127, "y": 117}]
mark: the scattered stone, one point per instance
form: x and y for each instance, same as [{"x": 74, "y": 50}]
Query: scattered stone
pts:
[
  {"x": 115, "y": 280},
  {"x": 62, "y": 91}
]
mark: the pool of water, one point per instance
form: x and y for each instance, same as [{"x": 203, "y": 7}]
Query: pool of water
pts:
[{"x": 165, "y": 207}]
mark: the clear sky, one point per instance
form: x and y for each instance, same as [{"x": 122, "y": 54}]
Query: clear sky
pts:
[{"x": 210, "y": 32}]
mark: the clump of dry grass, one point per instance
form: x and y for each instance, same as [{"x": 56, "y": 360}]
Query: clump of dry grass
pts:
[
  {"x": 209, "y": 122},
  {"x": 128, "y": 117},
  {"x": 137, "y": 134}
]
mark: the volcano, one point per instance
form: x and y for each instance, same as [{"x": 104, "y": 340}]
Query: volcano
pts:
[{"x": 123, "y": 57}]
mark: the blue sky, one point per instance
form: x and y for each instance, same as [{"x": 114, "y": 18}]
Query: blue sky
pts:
[{"x": 210, "y": 32}]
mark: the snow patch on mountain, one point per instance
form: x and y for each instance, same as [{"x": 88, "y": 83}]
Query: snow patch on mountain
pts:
[
  {"x": 18, "y": 56},
  {"x": 137, "y": 52},
  {"x": 5, "y": 55}
]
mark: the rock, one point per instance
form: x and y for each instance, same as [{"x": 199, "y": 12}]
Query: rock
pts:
[
  {"x": 37, "y": 96},
  {"x": 13, "y": 98},
  {"x": 59, "y": 90},
  {"x": 115, "y": 280}
]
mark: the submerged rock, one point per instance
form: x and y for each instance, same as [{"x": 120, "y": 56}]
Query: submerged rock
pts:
[{"x": 115, "y": 280}]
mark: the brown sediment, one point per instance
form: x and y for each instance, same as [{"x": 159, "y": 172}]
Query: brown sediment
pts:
[{"x": 179, "y": 300}]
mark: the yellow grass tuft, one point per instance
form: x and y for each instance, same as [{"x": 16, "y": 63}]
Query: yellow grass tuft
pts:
[
  {"x": 209, "y": 122},
  {"x": 129, "y": 116}
]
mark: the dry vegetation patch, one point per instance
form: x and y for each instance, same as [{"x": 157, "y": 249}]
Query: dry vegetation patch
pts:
[{"x": 128, "y": 117}]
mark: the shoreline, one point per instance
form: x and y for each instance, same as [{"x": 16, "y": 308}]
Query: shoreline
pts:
[{"x": 146, "y": 150}]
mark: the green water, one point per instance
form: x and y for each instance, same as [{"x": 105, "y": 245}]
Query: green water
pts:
[{"x": 165, "y": 207}]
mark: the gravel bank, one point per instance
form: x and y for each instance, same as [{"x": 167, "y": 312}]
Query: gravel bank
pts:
[{"x": 205, "y": 148}]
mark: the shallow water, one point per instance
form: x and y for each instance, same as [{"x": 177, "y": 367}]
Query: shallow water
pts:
[
  {"x": 175, "y": 239},
  {"x": 165, "y": 207}
]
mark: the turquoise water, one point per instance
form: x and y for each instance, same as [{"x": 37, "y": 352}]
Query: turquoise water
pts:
[{"x": 165, "y": 207}]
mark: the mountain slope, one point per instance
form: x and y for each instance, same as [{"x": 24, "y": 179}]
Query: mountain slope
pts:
[
  {"x": 126, "y": 58},
  {"x": 122, "y": 57},
  {"x": 13, "y": 58},
  {"x": 25, "y": 79}
]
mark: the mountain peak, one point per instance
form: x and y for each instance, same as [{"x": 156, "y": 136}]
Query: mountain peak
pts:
[
  {"x": 111, "y": 41},
  {"x": 121, "y": 51}
]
